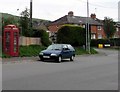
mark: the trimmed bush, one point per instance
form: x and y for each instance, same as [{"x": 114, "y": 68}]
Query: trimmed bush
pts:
[{"x": 71, "y": 34}]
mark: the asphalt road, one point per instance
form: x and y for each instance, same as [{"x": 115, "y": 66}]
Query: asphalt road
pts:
[{"x": 87, "y": 72}]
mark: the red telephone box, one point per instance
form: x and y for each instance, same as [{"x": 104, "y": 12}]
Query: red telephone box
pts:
[{"x": 11, "y": 40}]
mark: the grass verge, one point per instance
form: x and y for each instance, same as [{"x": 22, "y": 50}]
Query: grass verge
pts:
[
  {"x": 33, "y": 50},
  {"x": 27, "y": 51},
  {"x": 81, "y": 51}
]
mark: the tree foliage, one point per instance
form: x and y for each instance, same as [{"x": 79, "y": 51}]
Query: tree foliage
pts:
[
  {"x": 43, "y": 35},
  {"x": 109, "y": 27},
  {"x": 24, "y": 23},
  {"x": 70, "y": 34},
  {"x": 8, "y": 20}
]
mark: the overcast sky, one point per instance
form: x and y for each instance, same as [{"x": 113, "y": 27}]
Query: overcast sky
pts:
[{"x": 54, "y": 9}]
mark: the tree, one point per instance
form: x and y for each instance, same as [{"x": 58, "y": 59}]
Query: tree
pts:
[
  {"x": 43, "y": 35},
  {"x": 109, "y": 27},
  {"x": 24, "y": 23},
  {"x": 8, "y": 20}
]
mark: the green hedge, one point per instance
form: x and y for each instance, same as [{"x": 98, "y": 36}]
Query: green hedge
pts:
[
  {"x": 112, "y": 42},
  {"x": 71, "y": 34},
  {"x": 115, "y": 41}
]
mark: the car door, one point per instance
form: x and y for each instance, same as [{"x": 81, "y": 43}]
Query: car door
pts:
[
  {"x": 65, "y": 52},
  {"x": 72, "y": 50}
]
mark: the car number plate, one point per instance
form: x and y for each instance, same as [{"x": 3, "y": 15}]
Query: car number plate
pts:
[{"x": 46, "y": 56}]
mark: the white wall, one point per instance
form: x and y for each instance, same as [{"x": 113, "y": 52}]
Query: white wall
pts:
[{"x": 29, "y": 41}]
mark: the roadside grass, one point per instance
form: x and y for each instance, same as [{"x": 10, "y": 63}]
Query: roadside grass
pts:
[
  {"x": 33, "y": 50},
  {"x": 81, "y": 51},
  {"x": 5, "y": 56},
  {"x": 27, "y": 51}
]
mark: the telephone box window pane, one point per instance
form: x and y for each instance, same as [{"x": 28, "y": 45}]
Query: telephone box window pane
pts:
[
  {"x": 15, "y": 41},
  {"x": 7, "y": 41}
]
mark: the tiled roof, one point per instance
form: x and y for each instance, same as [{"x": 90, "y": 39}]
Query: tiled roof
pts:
[
  {"x": 75, "y": 20},
  {"x": 40, "y": 24},
  {"x": 62, "y": 20}
]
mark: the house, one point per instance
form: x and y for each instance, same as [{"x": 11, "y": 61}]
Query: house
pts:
[
  {"x": 117, "y": 33},
  {"x": 96, "y": 27},
  {"x": 40, "y": 24}
]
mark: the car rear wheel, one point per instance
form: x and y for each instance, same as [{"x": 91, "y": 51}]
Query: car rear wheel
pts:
[{"x": 72, "y": 58}]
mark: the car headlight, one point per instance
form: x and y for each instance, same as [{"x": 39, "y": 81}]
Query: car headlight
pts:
[
  {"x": 53, "y": 54},
  {"x": 40, "y": 53}
]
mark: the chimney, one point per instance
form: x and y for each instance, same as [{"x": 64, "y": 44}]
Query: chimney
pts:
[
  {"x": 93, "y": 16},
  {"x": 70, "y": 13}
]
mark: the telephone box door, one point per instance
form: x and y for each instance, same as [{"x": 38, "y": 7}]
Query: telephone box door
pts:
[
  {"x": 15, "y": 43},
  {"x": 7, "y": 42}
]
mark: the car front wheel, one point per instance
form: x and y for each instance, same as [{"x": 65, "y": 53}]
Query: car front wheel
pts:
[
  {"x": 59, "y": 59},
  {"x": 72, "y": 58},
  {"x": 42, "y": 59}
]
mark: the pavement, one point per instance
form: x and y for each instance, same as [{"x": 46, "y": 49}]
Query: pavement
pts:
[
  {"x": 19, "y": 59},
  {"x": 27, "y": 59}
]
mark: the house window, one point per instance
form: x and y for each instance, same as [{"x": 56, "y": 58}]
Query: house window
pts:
[
  {"x": 99, "y": 27},
  {"x": 99, "y": 36},
  {"x": 115, "y": 36},
  {"x": 93, "y": 36},
  {"x": 117, "y": 29},
  {"x": 83, "y": 26}
]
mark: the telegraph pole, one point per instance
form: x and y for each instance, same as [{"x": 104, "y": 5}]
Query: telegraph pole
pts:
[
  {"x": 30, "y": 14},
  {"x": 88, "y": 27},
  {"x": 87, "y": 30}
]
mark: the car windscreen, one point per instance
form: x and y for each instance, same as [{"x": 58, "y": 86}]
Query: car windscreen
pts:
[{"x": 55, "y": 47}]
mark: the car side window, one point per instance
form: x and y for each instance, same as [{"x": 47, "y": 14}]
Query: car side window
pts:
[
  {"x": 65, "y": 47},
  {"x": 70, "y": 47}
]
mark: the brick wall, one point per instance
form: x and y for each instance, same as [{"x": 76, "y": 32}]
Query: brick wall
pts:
[{"x": 94, "y": 29}]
